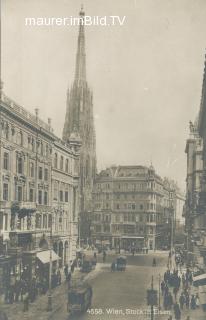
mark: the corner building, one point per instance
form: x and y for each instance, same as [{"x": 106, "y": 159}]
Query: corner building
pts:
[{"x": 131, "y": 208}]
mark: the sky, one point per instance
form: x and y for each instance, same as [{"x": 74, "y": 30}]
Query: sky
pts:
[{"x": 146, "y": 75}]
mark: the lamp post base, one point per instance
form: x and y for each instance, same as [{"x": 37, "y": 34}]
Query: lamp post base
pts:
[{"x": 49, "y": 306}]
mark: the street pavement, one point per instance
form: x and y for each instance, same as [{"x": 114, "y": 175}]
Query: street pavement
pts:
[
  {"x": 116, "y": 295},
  {"x": 122, "y": 295}
]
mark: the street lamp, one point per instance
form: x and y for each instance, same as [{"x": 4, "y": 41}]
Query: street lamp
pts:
[{"x": 49, "y": 305}]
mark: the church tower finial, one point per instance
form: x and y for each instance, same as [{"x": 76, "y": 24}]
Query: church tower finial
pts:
[{"x": 80, "y": 71}]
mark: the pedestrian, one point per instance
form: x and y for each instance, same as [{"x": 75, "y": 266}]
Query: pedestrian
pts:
[
  {"x": 182, "y": 301},
  {"x": 59, "y": 277},
  {"x": 177, "y": 311},
  {"x": 69, "y": 279},
  {"x": 197, "y": 300},
  {"x": 170, "y": 301},
  {"x": 95, "y": 255},
  {"x": 193, "y": 302},
  {"x": 154, "y": 262},
  {"x": 162, "y": 287},
  {"x": 104, "y": 256},
  {"x": 26, "y": 302},
  {"x": 187, "y": 300},
  {"x": 175, "y": 291},
  {"x": 66, "y": 271},
  {"x": 11, "y": 295},
  {"x": 72, "y": 267},
  {"x": 113, "y": 266}
]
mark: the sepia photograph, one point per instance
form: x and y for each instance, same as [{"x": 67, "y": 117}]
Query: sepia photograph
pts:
[{"x": 103, "y": 159}]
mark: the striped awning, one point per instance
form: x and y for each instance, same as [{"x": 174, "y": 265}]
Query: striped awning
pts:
[{"x": 199, "y": 280}]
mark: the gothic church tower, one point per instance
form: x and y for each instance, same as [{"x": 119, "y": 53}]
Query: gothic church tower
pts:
[{"x": 79, "y": 121}]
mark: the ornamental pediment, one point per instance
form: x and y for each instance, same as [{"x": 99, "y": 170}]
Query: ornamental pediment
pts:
[{"x": 6, "y": 177}]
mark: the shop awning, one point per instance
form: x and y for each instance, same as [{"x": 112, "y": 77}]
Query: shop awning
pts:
[
  {"x": 44, "y": 256},
  {"x": 199, "y": 280}
]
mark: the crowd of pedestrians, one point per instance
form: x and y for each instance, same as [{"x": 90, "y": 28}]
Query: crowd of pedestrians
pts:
[{"x": 176, "y": 288}]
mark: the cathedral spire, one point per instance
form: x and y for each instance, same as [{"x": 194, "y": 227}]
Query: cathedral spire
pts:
[{"x": 80, "y": 71}]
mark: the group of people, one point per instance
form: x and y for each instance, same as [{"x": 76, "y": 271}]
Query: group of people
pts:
[{"x": 176, "y": 289}]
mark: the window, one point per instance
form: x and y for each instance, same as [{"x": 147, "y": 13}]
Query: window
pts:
[
  {"x": 5, "y": 221},
  {"x": 61, "y": 195},
  {"x": 19, "y": 165},
  {"x": 67, "y": 165},
  {"x": 133, "y": 206},
  {"x": 98, "y": 228},
  {"x": 1, "y": 221},
  {"x": 55, "y": 160},
  {"x": 40, "y": 173},
  {"x": 6, "y": 161},
  {"x": 20, "y": 138},
  {"x": 117, "y": 205},
  {"x": 19, "y": 193},
  {"x": 44, "y": 221},
  {"x": 42, "y": 149},
  {"x": 31, "y": 195},
  {"x": 141, "y": 207},
  {"x": 66, "y": 196},
  {"x": 61, "y": 163},
  {"x": 45, "y": 198},
  {"x": 107, "y": 196},
  {"x": 38, "y": 221},
  {"x": 7, "y": 131},
  {"x": 55, "y": 196},
  {"x": 46, "y": 174},
  {"x": 40, "y": 197},
  {"x": 32, "y": 169},
  {"x": 47, "y": 150},
  {"x": 49, "y": 221},
  {"x": 33, "y": 144},
  {"x": 5, "y": 191}
]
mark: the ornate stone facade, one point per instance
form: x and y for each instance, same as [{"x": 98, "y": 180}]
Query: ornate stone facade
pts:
[
  {"x": 132, "y": 207},
  {"x": 38, "y": 191}
]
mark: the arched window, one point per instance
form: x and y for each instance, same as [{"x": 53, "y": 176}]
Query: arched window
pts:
[
  {"x": 20, "y": 138},
  {"x": 61, "y": 163},
  {"x": 6, "y": 161},
  {"x": 55, "y": 160}
]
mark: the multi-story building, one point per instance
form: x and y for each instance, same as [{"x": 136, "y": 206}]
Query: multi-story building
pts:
[
  {"x": 65, "y": 173},
  {"x": 193, "y": 150},
  {"x": 34, "y": 215},
  {"x": 79, "y": 118},
  {"x": 202, "y": 194},
  {"x": 132, "y": 207}
]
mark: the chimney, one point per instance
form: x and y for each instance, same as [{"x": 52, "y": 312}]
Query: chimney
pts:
[{"x": 36, "y": 112}]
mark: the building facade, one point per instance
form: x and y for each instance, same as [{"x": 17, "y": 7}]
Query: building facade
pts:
[
  {"x": 194, "y": 147},
  {"x": 201, "y": 234},
  {"x": 38, "y": 195},
  {"x": 132, "y": 208}
]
